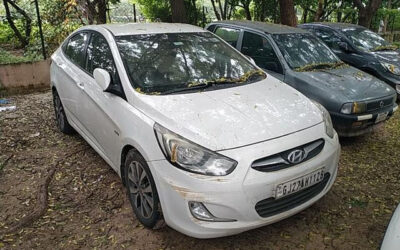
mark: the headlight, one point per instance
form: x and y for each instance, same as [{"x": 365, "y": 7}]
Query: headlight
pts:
[
  {"x": 391, "y": 68},
  {"x": 327, "y": 120},
  {"x": 353, "y": 108},
  {"x": 191, "y": 157}
]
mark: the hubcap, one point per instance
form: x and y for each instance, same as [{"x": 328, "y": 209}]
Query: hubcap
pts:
[{"x": 140, "y": 189}]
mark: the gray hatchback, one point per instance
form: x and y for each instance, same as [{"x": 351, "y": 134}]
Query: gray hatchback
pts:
[{"x": 356, "y": 100}]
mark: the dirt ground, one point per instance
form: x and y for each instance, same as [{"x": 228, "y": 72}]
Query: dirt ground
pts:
[{"x": 88, "y": 208}]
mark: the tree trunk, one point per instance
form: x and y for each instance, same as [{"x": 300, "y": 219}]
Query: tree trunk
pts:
[
  {"x": 101, "y": 16},
  {"x": 178, "y": 11},
  {"x": 339, "y": 16},
  {"x": 366, "y": 13},
  {"x": 288, "y": 15},
  {"x": 217, "y": 15},
  {"x": 248, "y": 13},
  {"x": 319, "y": 11},
  {"x": 23, "y": 40},
  {"x": 305, "y": 15},
  {"x": 389, "y": 6}
]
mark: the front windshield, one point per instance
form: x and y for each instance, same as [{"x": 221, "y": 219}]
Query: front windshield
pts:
[
  {"x": 164, "y": 62},
  {"x": 302, "y": 50},
  {"x": 366, "y": 40}
]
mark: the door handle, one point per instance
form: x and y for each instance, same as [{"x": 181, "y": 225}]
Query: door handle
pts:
[
  {"x": 60, "y": 64},
  {"x": 81, "y": 85}
]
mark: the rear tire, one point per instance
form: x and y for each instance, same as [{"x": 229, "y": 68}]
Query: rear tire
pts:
[
  {"x": 61, "y": 119},
  {"x": 141, "y": 189}
]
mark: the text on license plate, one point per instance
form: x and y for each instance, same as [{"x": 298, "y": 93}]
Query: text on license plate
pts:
[
  {"x": 381, "y": 117},
  {"x": 298, "y": 184}
]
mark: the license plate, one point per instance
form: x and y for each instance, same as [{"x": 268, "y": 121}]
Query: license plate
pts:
[
  {"x": 298, "y": 184},
  {"x": 381, "y": 117}
]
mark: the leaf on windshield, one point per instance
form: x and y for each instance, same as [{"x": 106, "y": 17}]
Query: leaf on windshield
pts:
[
  {"x": 140, "y": 91},
  {"x": 319, "y": 66},
  {"x": 385, "y": 47},
  {"x": 244, "y": 78}
]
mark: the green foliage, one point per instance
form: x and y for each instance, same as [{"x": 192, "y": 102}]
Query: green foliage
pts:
[
  {"x": 393, "y": 16},
  {"x": 8, "y": 58},
  {"x": 155, "y": 9},
  {"x": 6, "y": 33}
]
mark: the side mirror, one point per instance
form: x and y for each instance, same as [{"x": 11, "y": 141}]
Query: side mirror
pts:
[
  {"x": 345, "y": 47},
  {"x": 102, "y": 77}
]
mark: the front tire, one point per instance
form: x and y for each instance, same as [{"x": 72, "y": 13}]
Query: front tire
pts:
[
  {"x": 61, "y": 119},
  {"x": 142, "y": 190}
]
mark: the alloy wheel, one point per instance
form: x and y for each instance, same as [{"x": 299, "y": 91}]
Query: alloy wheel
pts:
[{"x": 140, "y": 189}]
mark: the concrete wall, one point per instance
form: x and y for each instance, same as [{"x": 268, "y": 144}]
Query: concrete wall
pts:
[{"x": 32, "y": 75}]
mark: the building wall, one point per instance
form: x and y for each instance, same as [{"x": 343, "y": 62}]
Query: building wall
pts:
[{"x": 32, "y": 75}]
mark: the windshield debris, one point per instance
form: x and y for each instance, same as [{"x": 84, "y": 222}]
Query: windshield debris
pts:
[
  {"x": 140, "y": 91},
  {"x": 385, "y": 47},
  {"x": 319, "y": 66}
]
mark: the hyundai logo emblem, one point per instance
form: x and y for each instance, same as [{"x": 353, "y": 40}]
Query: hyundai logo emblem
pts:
[
  {"x": 381, "y": 104},
  {"x": 296, "y": 156}
]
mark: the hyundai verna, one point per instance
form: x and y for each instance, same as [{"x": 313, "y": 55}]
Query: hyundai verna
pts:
[
  {"x": 355, "y": 100},
  {"x": 362, "y": 48},
  {"x": 200, "y": 136}
]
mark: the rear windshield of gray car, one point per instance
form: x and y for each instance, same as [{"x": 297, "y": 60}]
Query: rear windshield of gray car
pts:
[
  {"x": 302, "y": 50},
  {"x": 164, "y": 62}
]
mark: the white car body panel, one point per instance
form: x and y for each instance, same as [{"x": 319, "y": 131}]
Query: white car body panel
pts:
[
  {"x": 244, "y": 123},
  {"x": 234, "y": 117},
  {"x": 392, "y": 235}
]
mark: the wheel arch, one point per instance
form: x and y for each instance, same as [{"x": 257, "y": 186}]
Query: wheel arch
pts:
[{"x": 124, "y": 153}]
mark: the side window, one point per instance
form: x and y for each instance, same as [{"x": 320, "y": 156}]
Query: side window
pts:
[
  {"x": 99, "y": 56},
  {"x": 75, "y": 49},
  {"x": 211, "y": 28},
  {"x": 259, "y": 48},
  {"x": 329, "y": 38},
  {"x": 231, "y": 36}
]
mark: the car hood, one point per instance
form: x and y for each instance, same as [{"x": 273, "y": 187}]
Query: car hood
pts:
[
  {"x": 233, "y": 117},
  {"x": 347, "y": 82},
  {"x": 392, "y": 57}
]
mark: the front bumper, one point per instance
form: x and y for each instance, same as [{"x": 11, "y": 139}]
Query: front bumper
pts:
[
  {"x": 235, "y": 196},
  {"x": 355, "y": 125}
]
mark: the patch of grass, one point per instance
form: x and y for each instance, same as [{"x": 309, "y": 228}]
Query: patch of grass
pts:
[{"x": 8, "y": 58}]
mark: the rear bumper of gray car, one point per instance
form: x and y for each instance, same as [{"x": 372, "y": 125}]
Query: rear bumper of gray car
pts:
[{"x": 355, "y": 125}]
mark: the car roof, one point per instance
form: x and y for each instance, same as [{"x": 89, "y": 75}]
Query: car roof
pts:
[
  {"x": 147, "y": 28},
  {"x": 269, "y": 28},
  {"x": 338, "y": 26}
]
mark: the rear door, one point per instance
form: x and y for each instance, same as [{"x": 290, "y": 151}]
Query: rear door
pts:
[
  {"x": 230, "y": 35},
  {"x": 100, "y": 110},
  {"x": 68, "y": 70}
]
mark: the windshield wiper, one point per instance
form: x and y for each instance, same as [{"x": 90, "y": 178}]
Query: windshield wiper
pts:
[
  {"x": 248, "y": 76},
  {"x": 197, "y": 86},
  {"x": 314, "y": 66}
]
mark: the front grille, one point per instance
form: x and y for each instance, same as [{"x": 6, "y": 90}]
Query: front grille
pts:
[
  {"x": 272, "y": 206},
  {"x": 378, "y": 104},
  {"x": 280, "y": 161}
]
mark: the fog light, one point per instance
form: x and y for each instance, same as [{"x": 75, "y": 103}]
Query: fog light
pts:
[{"x": 200, "y": 212}]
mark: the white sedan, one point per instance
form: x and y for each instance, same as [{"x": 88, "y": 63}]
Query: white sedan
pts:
[{"x": 200, "y": 136}]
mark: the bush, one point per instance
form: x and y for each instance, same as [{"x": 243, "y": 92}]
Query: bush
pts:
[{"x": 8, "y": 58}]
